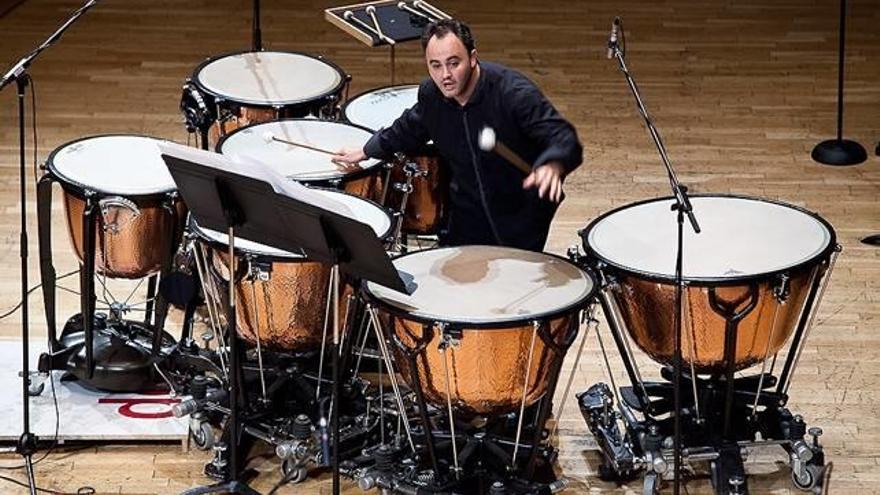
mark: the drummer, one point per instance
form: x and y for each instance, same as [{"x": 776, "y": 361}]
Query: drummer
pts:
[{"x": 491, "y": 201}]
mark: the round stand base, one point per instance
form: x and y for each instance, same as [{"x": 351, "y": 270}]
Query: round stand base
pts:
[
  {"x": 839, "y": 152},
  {"x": 872, "y": 240}
]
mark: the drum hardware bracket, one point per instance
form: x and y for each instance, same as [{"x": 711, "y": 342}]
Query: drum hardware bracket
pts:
[
  {"x": 107, "y": 205},
  {"x": 257, "y": 270},
  {"x": 782, "y": 289},
  {"x": 450, "y": 336}
]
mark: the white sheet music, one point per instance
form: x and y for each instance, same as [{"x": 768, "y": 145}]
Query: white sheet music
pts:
[{"x": 249, "y": 167}]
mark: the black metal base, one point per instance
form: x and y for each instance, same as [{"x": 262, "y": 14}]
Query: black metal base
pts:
[
  {"x": 122, "y": 350},
  {"x": 485, "y": 460},
  {"x": 839, "y": 152},
  {"x": 872, "y": 240},
  {"x": 630, "y": 446}
]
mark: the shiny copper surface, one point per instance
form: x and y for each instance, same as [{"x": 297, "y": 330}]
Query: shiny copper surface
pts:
[
  {"x": 425, "y": 204},
  {"x": 487, "y": 369},
  {"x": 648, "y": 310},
  {"x": 137, "y": 247},
  {"x": 287, "y": 310},
  {"x": 245, "y": 116},
  {"x": 368, "y": 187}
]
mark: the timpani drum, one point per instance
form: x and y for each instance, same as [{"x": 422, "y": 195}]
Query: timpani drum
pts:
[
  {"x": 483, "y": 324},
  {"x": 305, "y": 165},
  {"x": 240, "y": 89},
  {"x": 753, "y": 266},
  {"x": 423, "y": 207},
  {"x": 281, "y": 296},
  {"x": 140, "y": 216}
]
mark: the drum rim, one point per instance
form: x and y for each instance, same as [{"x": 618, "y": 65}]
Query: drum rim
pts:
[
  {"x": 344, "y": 109},
  {"x": 342, "y": 178},
  {"x": 197, "y": 230},
  {"x": 343, "y": 80},
  {"x": 80, "y": 188},
  {"x": 714, "y": 281},
  {"x": 501, "y": 324}
]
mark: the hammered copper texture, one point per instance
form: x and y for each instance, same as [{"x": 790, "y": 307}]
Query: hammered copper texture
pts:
[
  {"x": 648, "y": 310},
  {"x": 425, "y": 204},
  {"x": 244, "y": 117},
  {"x": 486, "y": 370},
  {"x": 288, "y": 311},
  {"x": 367, "y": 187},
  {"x": 138, "y": 249}
]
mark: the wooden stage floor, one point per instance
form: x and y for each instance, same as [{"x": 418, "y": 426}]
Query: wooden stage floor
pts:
[{"x": 740, "y": 89}]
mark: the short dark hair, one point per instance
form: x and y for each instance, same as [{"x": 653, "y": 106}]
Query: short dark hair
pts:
[{"x": 445, "y": 26}]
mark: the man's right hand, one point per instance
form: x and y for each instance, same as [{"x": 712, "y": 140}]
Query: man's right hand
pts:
[{"x": 349, "y": 156}]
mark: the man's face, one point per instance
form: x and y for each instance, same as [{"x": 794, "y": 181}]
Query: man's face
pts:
[{"x": 449, "y": 64}]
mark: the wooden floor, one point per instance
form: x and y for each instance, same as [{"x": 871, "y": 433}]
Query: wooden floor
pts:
[{"x": 740, "y": 89}]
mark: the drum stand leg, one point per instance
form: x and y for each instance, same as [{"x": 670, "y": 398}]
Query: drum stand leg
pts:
[
  {"x": 87, "y": 282},
  {"x": 48, "y": 276},
  {"x": 805, "y": 324},
  {"x": 732, "y": 316},
  {"x": 233, "y": 484}
]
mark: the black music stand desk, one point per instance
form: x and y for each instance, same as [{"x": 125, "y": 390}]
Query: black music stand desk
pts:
[{"x": 248, "y": 207}]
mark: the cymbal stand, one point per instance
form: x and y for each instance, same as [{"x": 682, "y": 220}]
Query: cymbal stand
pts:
[{"x": 683, "y": 208}]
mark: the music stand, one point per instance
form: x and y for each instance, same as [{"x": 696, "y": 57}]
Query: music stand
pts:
[
  {"x": 385, "y": 22},
  {"x": 249, "y": 207}
]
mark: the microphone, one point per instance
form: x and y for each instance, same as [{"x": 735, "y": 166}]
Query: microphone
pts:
[
  {"x": 612, "y": 40},
  {"x": 489, "y": 142}
]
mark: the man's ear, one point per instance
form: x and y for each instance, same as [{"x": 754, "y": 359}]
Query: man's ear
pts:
[{"x": 473, "y": 57}]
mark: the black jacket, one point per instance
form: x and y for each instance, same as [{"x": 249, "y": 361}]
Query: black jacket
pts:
[{"x": 488, "y": 204}]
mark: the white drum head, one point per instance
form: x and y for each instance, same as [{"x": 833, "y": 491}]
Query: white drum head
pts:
[
  {"x": 740, "y": 237},
  {"x": 363, "y": 211},
  {"x": 124, "y": 165},
  {"x": 269, "y": 78},
  {"x": 380, "y": 108},
  {"x": 295, "y": 162},
  {"x": 486, "y": 285}
]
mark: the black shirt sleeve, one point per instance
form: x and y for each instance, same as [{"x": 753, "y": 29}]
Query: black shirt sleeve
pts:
[
  {"x": 541, "y": 122},
  {"x": 407, "y": 134}
]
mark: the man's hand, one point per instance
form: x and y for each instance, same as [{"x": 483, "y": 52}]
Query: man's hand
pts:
[
  {"x": 548, "y": 179},
  {"x": 349, "y": 156}
]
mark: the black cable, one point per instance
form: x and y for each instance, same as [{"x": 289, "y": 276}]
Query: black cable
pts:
[
  {"x": 31, "y": 290},
  {"x": 84, "y": 490}
]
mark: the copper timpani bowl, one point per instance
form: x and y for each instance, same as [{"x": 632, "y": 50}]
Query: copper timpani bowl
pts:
[
  {"x": 497, "y": 319},
  {"x": 139, "y": 218},
  {"x": 753, "y": 256},
  {"x": 245, "y": 88},
  {"x": 281, "y": 297},
  {"x": 306, "y": 165}
]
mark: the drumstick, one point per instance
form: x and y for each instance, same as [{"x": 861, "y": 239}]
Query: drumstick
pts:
[
  {"x": 269, "y": 137},
  {"x": 371, "y": 11},
  {"x": 350, "y": 17},
  {"x": 404, "y": 6},
  {"x": 430, "y": 9},
  {"x": 488, "y": 142}
]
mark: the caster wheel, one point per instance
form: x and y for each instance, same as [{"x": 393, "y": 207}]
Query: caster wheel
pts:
[
  {"x": 293, "y": 472},
  {"x": 202, "y": 436},
  {"x": 651, "y": 485},
  {"x": 36, "y": 390},
  {"x": 811, "y": 477}
]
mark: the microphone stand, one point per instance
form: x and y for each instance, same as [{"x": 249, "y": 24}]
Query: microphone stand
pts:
[
  {"x": 257, "y": 33},
  {"x": 840, "y": 151},
  {"x": 682, "y": 208},
  {"x": 27, "y": 442}
]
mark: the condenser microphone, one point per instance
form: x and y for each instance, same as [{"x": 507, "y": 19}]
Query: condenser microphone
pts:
[{"x": 612, "y": 40}]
